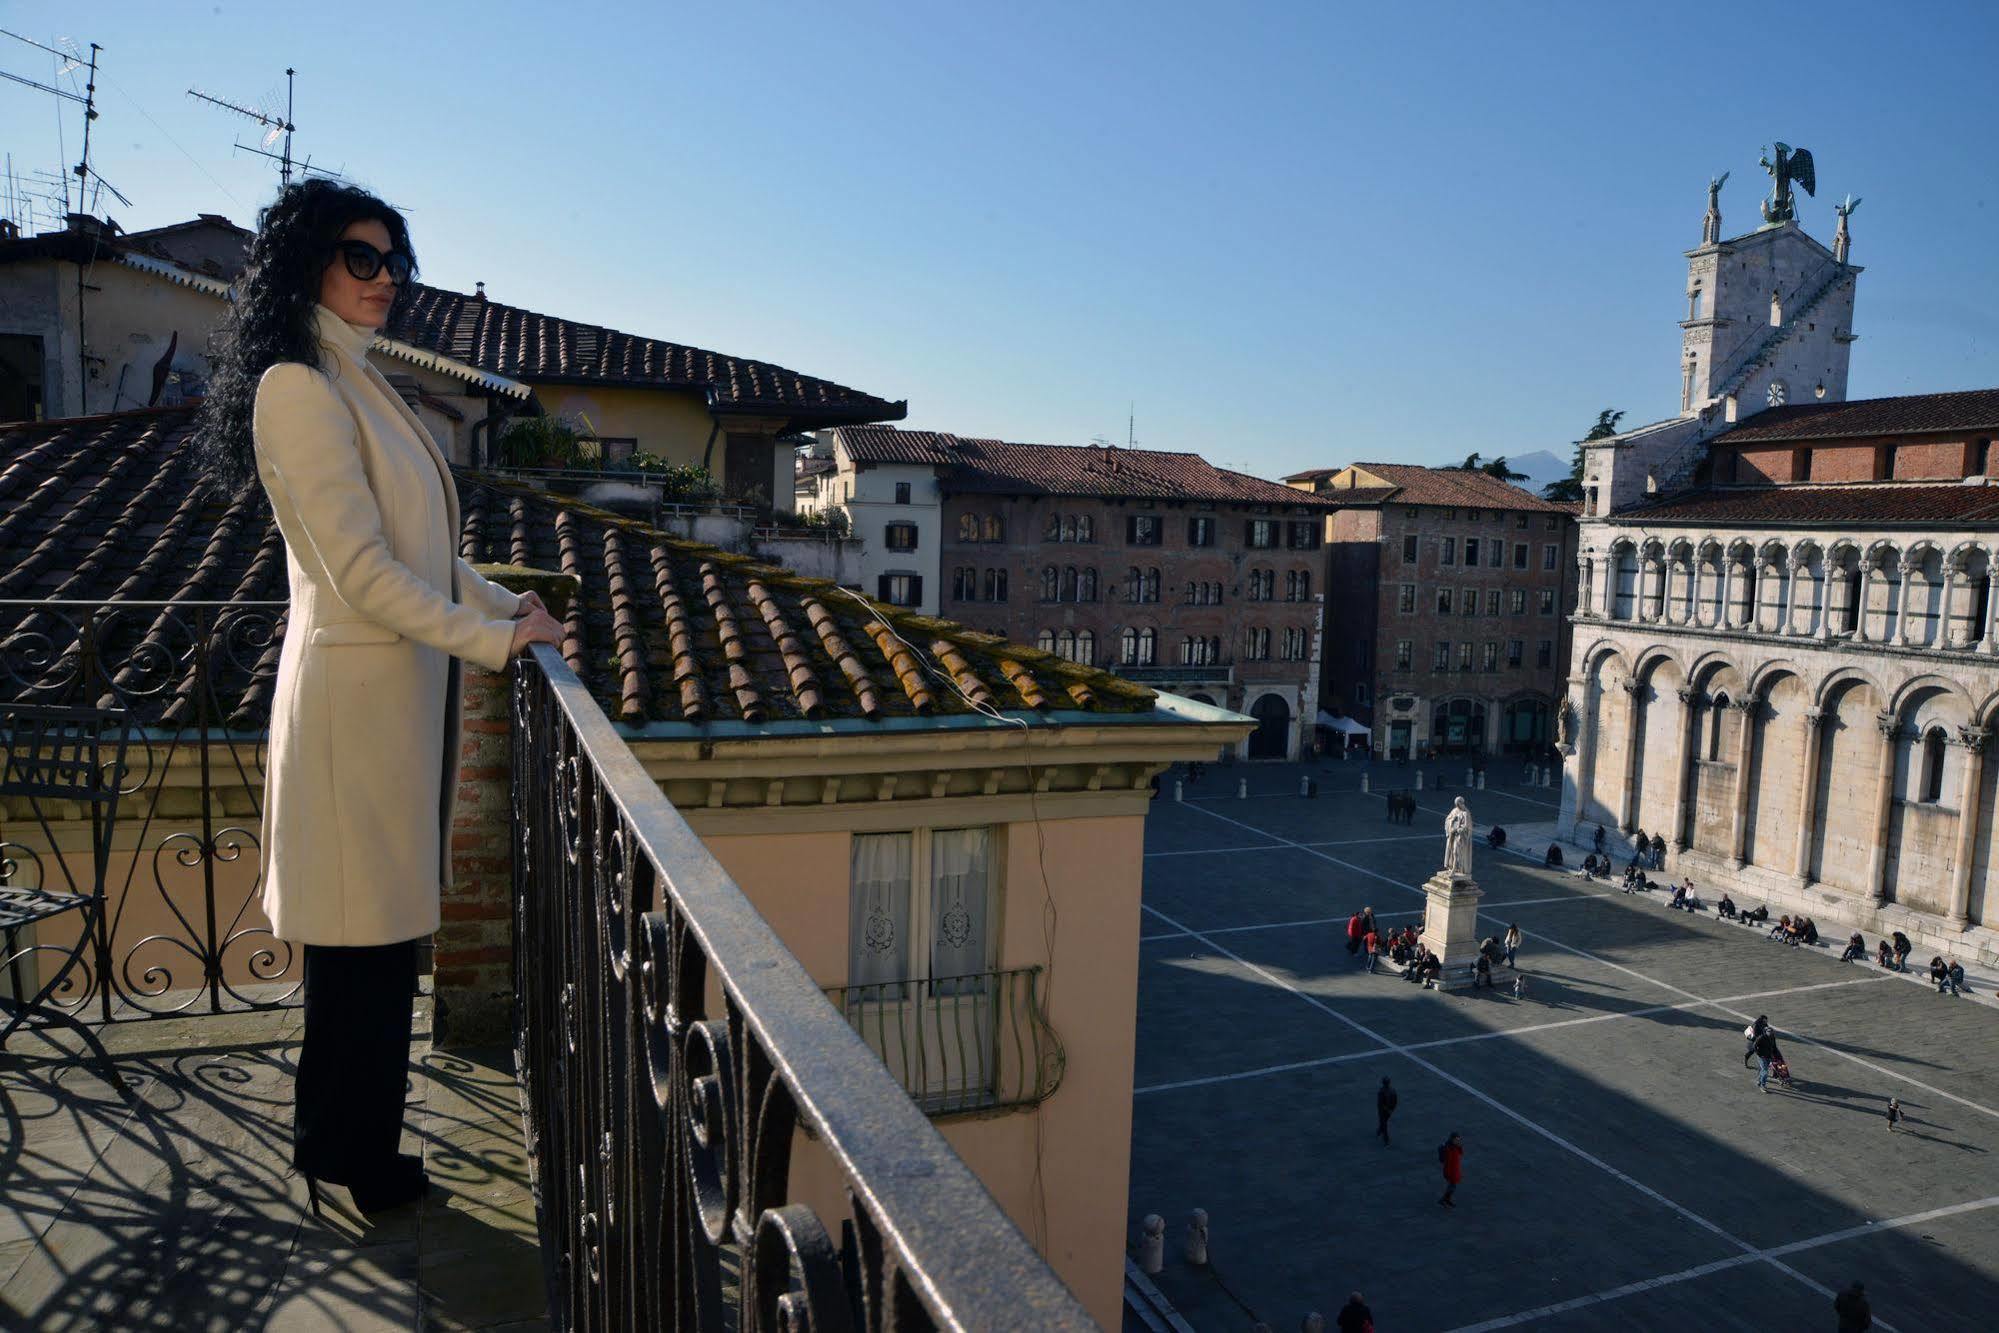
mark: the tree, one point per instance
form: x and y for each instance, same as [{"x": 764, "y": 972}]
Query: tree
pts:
[
  {"x": 1569, "y": 489},
  {"x": 1497, "y": 468},
  {"x": 1470, "y": 464}
]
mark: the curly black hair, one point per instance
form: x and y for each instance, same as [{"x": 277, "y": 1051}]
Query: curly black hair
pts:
[{"x": 271, "y": 319}]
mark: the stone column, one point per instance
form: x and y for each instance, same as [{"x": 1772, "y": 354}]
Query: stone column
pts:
[
  {"x": 1795, "y": 567},
  {"x": 1884, "y": 806},
  {"x": 1868, "y": 567},
  {"x": 1738, "y": 829},
  {"x": 1902, "y": 595},
  {"x": 1988, "y": 639},
  {"x": 1969, "y": 789},
  {"x": 1690, "y": 705},
  {"x": 1946, "y": 619},
  {"x": 1627, "y": 812},
  {"x": 1581, "y": 744},
  {"x": 1724, "y": 614},
  {"x": 1825, "y": 598},
  {"x": 1697, "y": 568},
  {"x": 1808, "y": 794}
]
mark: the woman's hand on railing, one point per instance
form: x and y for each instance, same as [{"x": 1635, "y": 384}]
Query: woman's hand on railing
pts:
[{"x": 537, "y": 626}]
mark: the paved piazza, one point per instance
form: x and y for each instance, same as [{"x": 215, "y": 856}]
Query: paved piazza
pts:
[{"x": 1621, "y": 1169}]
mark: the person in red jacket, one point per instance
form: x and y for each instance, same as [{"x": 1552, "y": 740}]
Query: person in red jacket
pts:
[{"x": 1452, "y": 1155}]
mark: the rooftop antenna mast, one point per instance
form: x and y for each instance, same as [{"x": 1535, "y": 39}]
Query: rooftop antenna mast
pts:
[
  {"x": 275, "y": 128},
  {"x": 72, "y": 59}
]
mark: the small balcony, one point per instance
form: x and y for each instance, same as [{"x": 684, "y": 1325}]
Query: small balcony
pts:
[{"x": 958, "y": 1044}]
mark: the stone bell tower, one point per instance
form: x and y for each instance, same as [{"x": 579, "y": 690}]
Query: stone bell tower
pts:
[{"x": 1769, "y": 317}]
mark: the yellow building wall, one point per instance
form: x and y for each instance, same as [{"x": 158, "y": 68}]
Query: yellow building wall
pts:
[
  {"x": 673, "y": 425},
  {"x": 1073, "y": 1208}
]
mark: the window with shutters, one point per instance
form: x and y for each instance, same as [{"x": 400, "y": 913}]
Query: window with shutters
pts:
[{"x": 899, "y": 536}]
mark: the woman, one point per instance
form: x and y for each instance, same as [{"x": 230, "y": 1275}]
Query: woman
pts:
[
  {"x": 365, "y": 713},
  {"x": 1512, "y": 946}
]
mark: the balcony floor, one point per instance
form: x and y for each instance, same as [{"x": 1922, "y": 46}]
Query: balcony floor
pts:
[{"x": 174, "y": 1206}]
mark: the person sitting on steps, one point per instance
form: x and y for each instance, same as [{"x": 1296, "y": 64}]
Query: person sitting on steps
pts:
[
  {"x": 1726, "y": 908},
  {"x": 1856, "y": 948}
]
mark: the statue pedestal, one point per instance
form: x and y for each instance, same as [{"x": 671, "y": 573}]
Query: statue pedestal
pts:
[{"x": 1450, "y": 926}]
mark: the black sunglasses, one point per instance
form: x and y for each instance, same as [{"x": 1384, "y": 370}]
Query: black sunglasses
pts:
[{"x": 364, "y": 261}]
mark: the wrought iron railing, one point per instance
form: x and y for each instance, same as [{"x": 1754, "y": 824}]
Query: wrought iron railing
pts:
[
  {"x": 971, "y": 1043},
  {"x": 659, "y": 1134},
  {"x": 196, "y": 679}
]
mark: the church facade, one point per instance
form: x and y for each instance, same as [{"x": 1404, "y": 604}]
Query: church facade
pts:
[{"x": 1786, "y": 652}]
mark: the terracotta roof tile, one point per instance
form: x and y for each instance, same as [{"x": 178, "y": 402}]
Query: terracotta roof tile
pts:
[
  {"x": 1928, "y": 504},
  {"x": 1448, "y": 486},
  {"x": 665, "y": 630},
  {"x": 1001, "y": 468},
  {"x": 525, "y": 345},
  {"x": 1910, "y": 414}
]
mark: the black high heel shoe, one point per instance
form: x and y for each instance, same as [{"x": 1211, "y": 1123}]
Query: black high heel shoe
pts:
[{"x": 404, "y": 1182}]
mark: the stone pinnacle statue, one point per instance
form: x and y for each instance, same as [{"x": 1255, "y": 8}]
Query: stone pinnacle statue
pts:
[
  {"x": 1457, "y": 839},
  {"x": 1793, "y": 166},
  {"x": 1842, "y": 239},
  {"x": 1711, "y": 223}
]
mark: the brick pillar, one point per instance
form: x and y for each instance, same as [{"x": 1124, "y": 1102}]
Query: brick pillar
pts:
[{"x": 474, "y": 945}]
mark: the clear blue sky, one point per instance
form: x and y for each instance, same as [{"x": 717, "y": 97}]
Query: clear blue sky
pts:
[{"x": 1294, "y": 235}]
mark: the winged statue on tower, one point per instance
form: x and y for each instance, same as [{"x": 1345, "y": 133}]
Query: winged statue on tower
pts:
[{"x": 1792, "y": 166}]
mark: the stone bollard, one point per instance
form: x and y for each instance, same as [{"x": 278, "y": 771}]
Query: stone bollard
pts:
[
  {"x": 1481, "y": 779},
  {"x": 1548, "y": 776},
  {"x": 1363, "y": 782},
  {"x": 1313, "y": 1323},
  {"x": 1179, "y": 790},
  {"x": 1533, "y": 776},
  {"x": 1152, "y": 1245},
  {"x": 1471, "y": 777},
  {"x": 1197, "y": 1238},
  {"x": 1304, "y": 785},
  {"x": 1242, "y": 789},
  {"x": 1419, "y": 779}
]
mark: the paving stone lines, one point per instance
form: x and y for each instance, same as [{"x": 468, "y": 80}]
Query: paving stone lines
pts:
[
  {"x": 1526, "y": 1123},
  {"x": 1620, "y": 1177}
]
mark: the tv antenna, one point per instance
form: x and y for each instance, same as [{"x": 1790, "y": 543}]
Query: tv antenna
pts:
[
  {"x": 72, "y": 59},
  {"x": 275, "y": 127}
]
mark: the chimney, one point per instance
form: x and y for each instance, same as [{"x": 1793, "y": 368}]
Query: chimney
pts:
[
  {"x": 104, "y": 229},
  {"x": 480, "y": 294}
]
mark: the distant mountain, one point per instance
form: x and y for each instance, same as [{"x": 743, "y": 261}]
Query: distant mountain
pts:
[{"x": 1541, "y": 468}]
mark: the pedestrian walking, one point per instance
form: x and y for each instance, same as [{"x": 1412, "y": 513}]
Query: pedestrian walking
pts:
[
  {"x": 1354, "y": 1316},
  {"x": 1384, "y": 1107},
  {"x": 1451, "y": 1156},
  {"x": 1354, "y": 934},
  {"x": 1894, "y": 1113},
  {"x": 1767, "y": 1055},
  {"x": 1519, "y": 985},
  {"x": 1855, "y": 1314},
  {"x": 1512, "y": 946},
  {"x": 1373, "y": 946},
  {"x": 1750, "y": 1035}
]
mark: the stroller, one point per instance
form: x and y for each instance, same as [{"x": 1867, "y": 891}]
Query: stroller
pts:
[{"x": 1780, "y": 1070}]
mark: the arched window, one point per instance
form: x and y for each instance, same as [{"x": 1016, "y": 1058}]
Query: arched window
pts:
[
  {"x": 1192, "y": 594},
  {"x": 1084, "y": 528},
  {"x": 1087, "y": 585},
  {"x": 1134, "y": 584},
  {"x": 1069, "y": 584},
  {"x": 964, "y": 586},
  {"x": 1045, "y": 641},
  {"x": 1086, "y": 647},
  {"x": 1128, "y": 647},
  {"x": 1717, "y": 709},
  {"x": 1052, "y": 532},
  {"x": 1068, "y": 527},
  {"x": 1051, "y": 584},
  {"x": 1933, "y": 754},
  {"x": 1187, "y": 652},
  {"x": 968, "y": 527},
  {"x": 1147, "y": 642},
  {"x": 1152, "y": 584},
  {"x": 1215, "y": 649},
  {"x": 1856, "y": 592},
  {"x": 995, "y": 528},
  {"x": 1065, "y": 645}
]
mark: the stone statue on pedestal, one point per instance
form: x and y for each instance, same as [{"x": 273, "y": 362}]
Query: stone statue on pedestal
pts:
[{"x": 1457, "y": 839}]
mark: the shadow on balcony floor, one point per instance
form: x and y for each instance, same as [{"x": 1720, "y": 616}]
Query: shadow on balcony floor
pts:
[{"x": 173, "y": 1205}]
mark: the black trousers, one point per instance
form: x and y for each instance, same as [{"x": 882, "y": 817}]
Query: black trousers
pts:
[{"x": 353, "y": 1063}]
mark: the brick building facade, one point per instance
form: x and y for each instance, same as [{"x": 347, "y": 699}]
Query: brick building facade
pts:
[
  {"x": 1452, "y": 591},
  {"x": 1156, "y": 565}
]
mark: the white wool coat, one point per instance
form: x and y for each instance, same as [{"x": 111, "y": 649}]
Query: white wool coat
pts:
[{"x": 362, "y": 777}]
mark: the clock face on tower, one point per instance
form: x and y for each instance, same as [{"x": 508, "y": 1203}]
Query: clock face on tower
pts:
[{"x": 1777, "y": 393}]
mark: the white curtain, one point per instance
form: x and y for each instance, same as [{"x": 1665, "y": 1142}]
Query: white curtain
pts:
[
  {"x": 878, "y": 925},
  {"x": 960, "y": 894}
]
